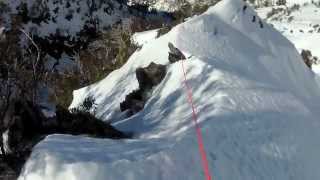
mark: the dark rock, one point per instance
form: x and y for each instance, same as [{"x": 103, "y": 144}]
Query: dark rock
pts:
[
  {"x": 8, "y": 168},
  {"x": 147, "y": 77},
  {"x": 175, "y": 54},
  {"x": 150, "y": 76},
  {"x": 307, "y": 57},
  {"x": 253, "y": 18},
  {"x": 260, "y": 23},
  {"x": 134, "y": 102},
  {"x": 24, "y": 123},
  {"x": 3, "y": 72},
  {"x": 79, "y": 122},
  {"x": 22, "y": 120},
  {"x": 244, "y": 8}
]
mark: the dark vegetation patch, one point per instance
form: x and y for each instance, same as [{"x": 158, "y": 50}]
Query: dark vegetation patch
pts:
[{"x": 26, "y": 126}]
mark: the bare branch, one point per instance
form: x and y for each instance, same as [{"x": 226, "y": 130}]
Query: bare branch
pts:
[
  {"x": 34, "y": 64},
  {"x": 35, "y": 45}
]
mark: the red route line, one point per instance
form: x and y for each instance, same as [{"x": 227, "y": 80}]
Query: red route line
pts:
[{"x": 204, "y": 161}]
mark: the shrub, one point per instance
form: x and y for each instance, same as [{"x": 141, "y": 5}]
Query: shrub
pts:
[{"x": 88, "y": 105}]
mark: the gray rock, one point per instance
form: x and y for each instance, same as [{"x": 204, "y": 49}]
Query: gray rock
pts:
[
  {"x": 148, "y": 78},
  {"x": 175, "y": 54}
]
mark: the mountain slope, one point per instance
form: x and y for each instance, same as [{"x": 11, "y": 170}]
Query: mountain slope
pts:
[
  {"x": 67, "y": 18},
  {"x": 256, "y": 100},
  {"x": 299, "y": 23}
]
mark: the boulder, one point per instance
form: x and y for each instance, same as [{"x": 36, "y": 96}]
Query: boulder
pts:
[
  {"x": 175, "y": 54},
  {"x": 151, "y": 75},
  {"x": 307, "y": 57},
  {"x": 147, "y": 77}
]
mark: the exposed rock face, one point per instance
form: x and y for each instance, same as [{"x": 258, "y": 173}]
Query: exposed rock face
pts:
[
  {"x": 23, "y": 122},
  {"x": 307, "y": 58},
  {"x": 25, "y": 126},
  {"x": 147, "y": 77},
  {"x": 150, "y": 76},
  {"x": 175, "y": 54}
]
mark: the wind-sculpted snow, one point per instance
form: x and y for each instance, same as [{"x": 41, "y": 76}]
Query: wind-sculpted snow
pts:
[{"x": 258, "y": 106}]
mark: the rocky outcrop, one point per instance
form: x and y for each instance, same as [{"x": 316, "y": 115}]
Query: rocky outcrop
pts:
[
  {"x": 10, "y": 166},
  {"x": 308, "y": 59},
  {"x": 148, "y": 78},
  {"x": 175, "y": 54}
]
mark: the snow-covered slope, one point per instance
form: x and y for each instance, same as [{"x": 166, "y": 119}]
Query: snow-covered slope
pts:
[
  {"x": 257, "y": 103},
  {"x": 66, "y": 17},
  {"x": 142, "y": 38},
  {"x": 172, "y": 5}
]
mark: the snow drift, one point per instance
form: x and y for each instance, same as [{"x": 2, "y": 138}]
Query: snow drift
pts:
[{"x": 257, "y": 102}]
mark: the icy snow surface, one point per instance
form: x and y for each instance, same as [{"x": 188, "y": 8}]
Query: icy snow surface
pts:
[{"x": 257, "y": 103}]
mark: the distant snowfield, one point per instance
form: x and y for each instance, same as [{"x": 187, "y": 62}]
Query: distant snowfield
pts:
[
  {"x": 258, "y": 106},
  {"x": 143, "y": 38},
  {"x": 301, "y": 30}
]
